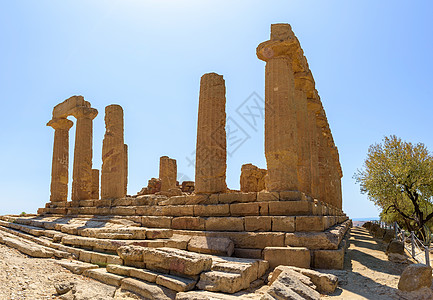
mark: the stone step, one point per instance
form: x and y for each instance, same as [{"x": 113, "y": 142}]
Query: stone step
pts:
[
  {"x": 175, "y": 283},
  {"x": 75, "y": 266}
]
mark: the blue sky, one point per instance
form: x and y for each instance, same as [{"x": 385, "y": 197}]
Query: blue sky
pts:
[{"x": 371, "y": 61}]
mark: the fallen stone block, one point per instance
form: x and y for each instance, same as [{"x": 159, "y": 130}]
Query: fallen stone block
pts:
[
  {"x": 211, "y": 245},
  {"x": 287, "y": 286},
  {"x": 216, "y": 281}
]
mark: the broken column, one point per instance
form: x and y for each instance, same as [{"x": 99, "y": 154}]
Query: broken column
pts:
[
  {"x": 113, "y": 155},
  {"x": 211, "y": 153},
  {"x": 167, "y": 173},
  {"x": 252, "y": 178},
  {"x": 95, "y": 184},
  {"x": 60, "y": 166},
  {"x": 82, "y": 172},
  {"x": 281, "y": 142}
]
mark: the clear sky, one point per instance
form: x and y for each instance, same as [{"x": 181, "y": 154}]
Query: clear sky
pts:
[{"x": 371, "y": 60}]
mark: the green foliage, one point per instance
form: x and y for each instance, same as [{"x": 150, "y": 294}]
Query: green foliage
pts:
[
  {"x": 23, "y": 213},
  {"x": 398, "y": 178}
]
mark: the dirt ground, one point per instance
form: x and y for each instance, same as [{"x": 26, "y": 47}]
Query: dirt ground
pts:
[
  {"x": 24, "y": 277},
  {"x": 367, "y": 272}
]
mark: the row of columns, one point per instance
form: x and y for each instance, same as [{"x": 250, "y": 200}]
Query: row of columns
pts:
[
  {"x": 299, "y": 149},
  {"x": 85, "y": 183}
]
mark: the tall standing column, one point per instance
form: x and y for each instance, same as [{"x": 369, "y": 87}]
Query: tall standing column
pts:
[
  {"x": 167, "y": 173},
  {"x": 113, "y": 155},
  {"x": 60, "y": 166},
  {"x": 281, "y": 140},
  {"x": 126, "y": 168},
  {"x": 303, "y": 133},
  {"x": 211, "y": 151},
  {"x": 82, "y": 172},
  {"x": 95, "y": 184}
]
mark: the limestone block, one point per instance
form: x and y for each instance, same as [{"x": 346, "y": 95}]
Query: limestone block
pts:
[
  {"x": 177, "y": 210},
  {"x": 244, "y": 209},
  {"x": 263, "y": 223},
  {"x": 325, "y": 283},
  {"x": 113, "y": 155},
  {"x": 211, "y": 245},
  {"x": 130, "y": 253},
  {"x": 76, "y": 267},
  {"x": 290, "y": 208},
  {"x": 254, "y": 240},
  {"x": 248, "y": 253},
  {"x": 187, "y": 186},
  {"x": 119, "y": 270},
  {"x": 143, "y": 274},
  {"x": 287, "y": 256},
  {"x": 286, "y": 224},
  {"x": 192, "y": 223},
  {"x": 263, "y": 208},
  {"x": 252, "y": 178},
  {"x": 310, "y": 223},
  {"x": 156, "y": 221},
  {"x": 288, "y": 286},
  {"x": 210, "y": 163},
  {"x": 212, "y": 210},
  {"x": 175, "y": 200},
  {"x": 292, "y": 196},
  {"x": 64, "y": 109},
  {"x": 329, "y": 259},
  {"x": 103, "y": 276},
  {"x": 216, "y": 281},
  {"x": 268, "y": 196},
  {"x": 179, "y": 261},
  {"x": 224, "y": 224},
  {"x": 147, "y": 290},
  {"x": 176, "y": 283}
]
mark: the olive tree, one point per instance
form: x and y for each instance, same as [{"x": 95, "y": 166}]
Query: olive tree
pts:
[{"x": 398, "y": 177}]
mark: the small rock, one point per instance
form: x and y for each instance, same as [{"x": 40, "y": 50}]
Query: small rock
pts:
[
  {"x": 395, "y": 247},
  {"x": 63, "y": 287},
  {"x": 415, "y": 277}
]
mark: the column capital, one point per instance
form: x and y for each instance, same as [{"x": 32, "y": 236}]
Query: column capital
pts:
[
  {"x": 60, "y": 123},
  {"x": 82, "y": 112}
]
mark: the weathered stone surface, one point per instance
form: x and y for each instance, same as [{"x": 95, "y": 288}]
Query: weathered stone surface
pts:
[
  {"x": 193, "y": 223},
  {"x": 224, "y": 224},
  {"x": 82, "y": 171},
  {"x": 76, "y": 267},
  {"x": 118, "y": 269},
  {"x": 212, "y": 210},
  {"x": 329, "y": 259},
  {"x": 205, "y": 295},
  {"x": 287, "y": 256},
  {"x": 147, "y": 290},
  {"x": 211, "y": 153},
  {"x": 113, "y": 155},
  {"x": 60, "y": 166},
  {"x": 292, "y": 273},
  {"x": 287, "y": 286},
  {"x": 167, "y": 173},
  {"x": 262, "y": 223},
  {"x": 156, "y": 221},
  {"x": 244, "y": 209},
  {"x": 132, "y": 253},
  {"x": 252, "y": 178},
  {"x": 26, "y": 247},
  {"x": 95, "y": 184},
  {"x": 182, "y": 262},
  {"x": 102, "y": 275},
  {"x": 286, "y": 224},
  {"x": 290, "y": 208},
  {"x": 216, "y": 281},
  {"x": 310, "y": 223},
  {"x": 414, "y": 277},
  {"x": 176, "y": 283},
  {"x": 211, "y": 245},
  {"x": 325, "y": 283}
]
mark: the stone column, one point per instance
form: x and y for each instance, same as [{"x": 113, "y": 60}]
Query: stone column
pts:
[
  {"x": 126, "y": 168},
  {"x": 59, "y": 168},
  {"x": 113, "y": 155},
  {"x": 211, "y": 153},
  {"x": 304, "y": 154},
  {"x": 82, "y": 172},
  {"x": 281, "y": 139},
  {"x": 95, "y": 184},
  {"x": 323, "y": 166},
  {"x": 167, "y": 173}
]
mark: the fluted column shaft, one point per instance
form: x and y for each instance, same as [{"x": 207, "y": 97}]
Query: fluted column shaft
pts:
[
  {"x": 82, "y": 172},
  {"x": 211, "y": 148},
  {"x": 113, "y": 155},
  {"x": 304, "y": 147},
  {"x": 60, "y": 165},
  {"x": 281, "y": 140}
]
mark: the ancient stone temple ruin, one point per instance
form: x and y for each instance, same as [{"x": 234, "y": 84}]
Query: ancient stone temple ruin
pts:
[{"x": 201, "y": 236}]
